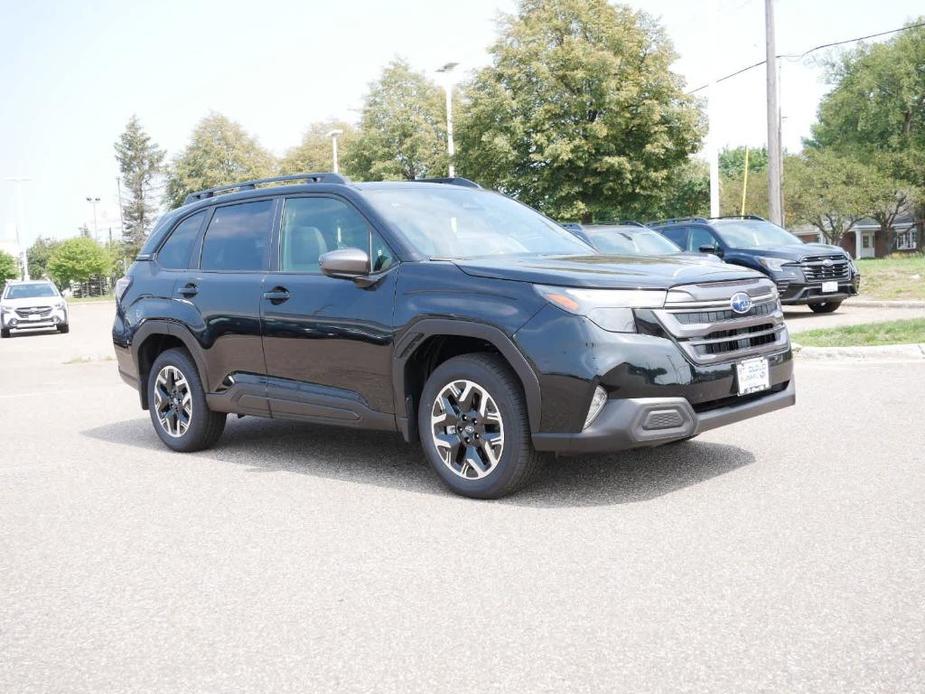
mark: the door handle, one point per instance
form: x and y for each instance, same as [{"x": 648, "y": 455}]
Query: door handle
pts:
[
  {"x": 188, "y": 290},
  {"x": 277, "y": 295}
]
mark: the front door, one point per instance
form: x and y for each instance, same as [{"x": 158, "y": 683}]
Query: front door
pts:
[{"x": 327, "y": 341}]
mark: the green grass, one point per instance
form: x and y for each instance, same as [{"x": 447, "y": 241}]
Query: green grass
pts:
[
  {"x": 91, "y": 299},
  {"x": 897, "y": 332},
  {"x": 895, "y": 278}
]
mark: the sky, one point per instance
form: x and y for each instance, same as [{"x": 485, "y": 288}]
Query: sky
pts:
[{"x": 72, "y": 73}]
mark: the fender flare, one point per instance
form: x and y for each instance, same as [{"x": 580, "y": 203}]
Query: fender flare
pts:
[
  {"x": 406, "y": 346},
  {"x": 158, "y": 326}
]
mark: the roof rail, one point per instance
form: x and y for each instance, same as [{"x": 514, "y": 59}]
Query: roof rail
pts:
[
  {"x": 323, "y": 177},
  {"x": 675, "y": 220},
  {"x": 740, "y": 216},
  {"x": 620, "y": 223},
  {"x": 449, "y": 180}
]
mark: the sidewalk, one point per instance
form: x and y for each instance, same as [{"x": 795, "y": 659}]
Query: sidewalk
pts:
[
  {"x": 911, "y": 352},
  {"x": 867, "y": 302}
]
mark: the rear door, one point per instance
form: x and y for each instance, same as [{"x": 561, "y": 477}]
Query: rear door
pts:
[
  {"x": 225, "y": 290},
  {"x": 328, "y": 341},
  {"x": 678, "y": 234}
]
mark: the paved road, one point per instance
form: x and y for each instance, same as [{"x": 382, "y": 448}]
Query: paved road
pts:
[
  {"x": 781, "y": 554},
  {"x": 801, "y": 318}
]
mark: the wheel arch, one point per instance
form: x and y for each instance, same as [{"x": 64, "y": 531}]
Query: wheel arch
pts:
[
  {"x": 415, "y": 349},
  {"x": 155, "y": 337}
]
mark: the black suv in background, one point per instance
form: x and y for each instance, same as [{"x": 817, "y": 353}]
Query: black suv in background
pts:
[
  {"x": 817, "y": 274},
  {"x": 451, "y": 314}
]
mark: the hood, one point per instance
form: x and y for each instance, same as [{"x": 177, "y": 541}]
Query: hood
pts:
[
  {"x": 33, "y": 301},
  {"x": 603, "y": 271},
  {"x": 795, "y": 251}
]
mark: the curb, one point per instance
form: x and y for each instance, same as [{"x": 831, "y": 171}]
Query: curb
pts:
[
  {"x": 874, "y": 303},
  {"x": 911, "y": 352}
]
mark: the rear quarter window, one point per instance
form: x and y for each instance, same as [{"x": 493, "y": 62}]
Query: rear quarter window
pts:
[{"x": 177, "y": 250}]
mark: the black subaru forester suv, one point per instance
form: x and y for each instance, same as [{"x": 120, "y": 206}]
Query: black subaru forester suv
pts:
[{"x": 443, "y": 311}]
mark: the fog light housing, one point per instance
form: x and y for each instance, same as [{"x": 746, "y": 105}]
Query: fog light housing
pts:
[{"x": 597, "y": 404}]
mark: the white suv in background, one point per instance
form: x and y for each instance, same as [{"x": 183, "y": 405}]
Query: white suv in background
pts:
[{"x": 32, "y": 305}]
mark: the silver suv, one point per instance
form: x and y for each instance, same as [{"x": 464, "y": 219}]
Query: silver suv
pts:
[{"x": 32, "y": 305}]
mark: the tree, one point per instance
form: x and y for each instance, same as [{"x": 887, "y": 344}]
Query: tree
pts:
[
  {"x": 140, "y": 163},
  {"x": 876, "y": 113},
  {"x": 686, "y": 194},
  {"x": 579, "y": 113},
  {"x": 830, "y": 191},
  {"x": 220, "y": 151},
  {"x": 315, "y": 153},
  {"x": 38, "y": 254},
  {"x": 77, "y": 260},
  {"x": 9, "y": 267},
  {"x": 732, "y": 161},
  {"x": 402, "y": 128}
]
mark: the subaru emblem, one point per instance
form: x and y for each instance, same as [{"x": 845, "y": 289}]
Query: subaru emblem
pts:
[
  {"x": 827, "y": 262},
  {"x": 741, "y": 302}
]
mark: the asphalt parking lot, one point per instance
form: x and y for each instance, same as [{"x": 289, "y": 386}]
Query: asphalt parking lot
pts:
[{"x": 785, "y": 553}]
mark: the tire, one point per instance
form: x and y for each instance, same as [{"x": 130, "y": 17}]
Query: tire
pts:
[
  {"x": 494, "y": 394},
  {"x": 4, "y": 333},
  {"x": 825, "y": 307},
  {"x": 200, "y": 427},
  {"x": 64, "y": 328}
]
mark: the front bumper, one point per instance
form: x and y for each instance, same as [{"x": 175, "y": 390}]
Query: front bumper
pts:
[
  {"x": 628, "y": 423},
  {"x": 801, "y": 292},
  {"x": 12, "y": 321}
]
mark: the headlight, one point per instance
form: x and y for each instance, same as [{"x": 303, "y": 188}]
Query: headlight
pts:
[
  {"x": 611, "y": 309},
  {"x": 59, "y": 305},
  {"x": 776, "y": 264}
]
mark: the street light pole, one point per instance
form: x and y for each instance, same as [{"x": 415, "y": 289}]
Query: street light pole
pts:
[
  {"x": 93, "y": 202},
  {"x": 450, "y": 145},
  {"x": 20, "y": 231},
  {"x": 334, "y": 134}
]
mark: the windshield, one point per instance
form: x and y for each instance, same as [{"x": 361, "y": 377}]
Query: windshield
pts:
[
  {"x": 752, "y": 233},
  {"x": 30, "y": 291},
  {"x": 616, "y": 241},
  {"x": 454, "y": 222}
]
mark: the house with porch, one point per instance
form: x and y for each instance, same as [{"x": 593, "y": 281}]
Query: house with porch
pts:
[{"x": 860, "y": 242}]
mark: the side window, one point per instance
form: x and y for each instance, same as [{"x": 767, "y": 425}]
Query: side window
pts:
[
  {"x": 676, "y": 234},
  {"x": 237, "y": 237},
  {"x": 176, "y": 251},
  {"x": 701, "y": 236},
  {"x": 313, "y": 226}
]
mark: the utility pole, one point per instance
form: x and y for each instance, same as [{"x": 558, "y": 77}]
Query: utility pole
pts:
[
  {"x": 774, "y": 153},
  {"x": 20, "y": 226},
  {"x": 334, "y": 134},
  {"x": 121, "y": 215},
  {"x": 450, "y": 145}
]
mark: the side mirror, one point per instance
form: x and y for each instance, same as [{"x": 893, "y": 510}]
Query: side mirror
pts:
[
  {"x": 347, "y": 263},
  {"x": 715, "y": 250}
]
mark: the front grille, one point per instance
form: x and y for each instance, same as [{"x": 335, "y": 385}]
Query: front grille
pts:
[
  {"x": 700, "y": 319},
  {"x": 30, "y": 311},
  {"x": 826, "y": 268}
]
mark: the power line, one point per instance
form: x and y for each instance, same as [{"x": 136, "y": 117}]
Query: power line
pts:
[{"x": 806, "y": 53}]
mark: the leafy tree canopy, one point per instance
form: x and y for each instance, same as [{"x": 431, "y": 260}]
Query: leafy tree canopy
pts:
[
  {"x": 579, "y": 112},
  {"x": 402, "y": 128},
  {"x": 219, "y": 152},
  {"x": 9, "y": 267},
  {"x": 315, "y": 153},
  {"x": 77, "y": 260},
  {"x": 38, "y": 254},
  {"x": 732, "y": 160}
]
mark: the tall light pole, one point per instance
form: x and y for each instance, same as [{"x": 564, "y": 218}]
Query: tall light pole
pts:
[
  {"x": 20, "y": 226},
  {"x": 94, "y": 202},
  {"x": 448, "y": 87},
  {"x": 774, "y": 154},
  {"x": 334, "y": 134}
]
